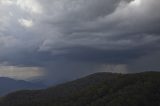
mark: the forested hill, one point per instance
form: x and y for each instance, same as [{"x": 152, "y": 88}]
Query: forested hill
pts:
[
  {"x": 9, "y": 85},
  {"x": 100, "y": 89}
]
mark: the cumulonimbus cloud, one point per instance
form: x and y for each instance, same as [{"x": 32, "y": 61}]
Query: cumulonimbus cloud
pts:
[{"x": 85, "y": 32}]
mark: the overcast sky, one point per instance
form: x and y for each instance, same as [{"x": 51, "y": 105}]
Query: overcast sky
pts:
[{"x": 60, "y": 40}]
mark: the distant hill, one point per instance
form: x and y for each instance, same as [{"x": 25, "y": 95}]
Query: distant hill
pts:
[
  {"x": 8, "y": 85},
  {"x": 100, "y": 89}
]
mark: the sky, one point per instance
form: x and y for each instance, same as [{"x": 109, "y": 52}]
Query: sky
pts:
[{"x": 61, "y": 40}]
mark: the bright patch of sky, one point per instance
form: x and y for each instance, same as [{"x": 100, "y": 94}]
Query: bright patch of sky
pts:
[{"x": 25, "y": 22}]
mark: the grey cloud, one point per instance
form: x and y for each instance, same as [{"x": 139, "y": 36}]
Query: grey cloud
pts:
[{"x": 89, "y": 33}]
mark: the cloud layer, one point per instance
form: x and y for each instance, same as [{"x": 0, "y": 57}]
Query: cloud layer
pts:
[{"x": 77, "y": 37}]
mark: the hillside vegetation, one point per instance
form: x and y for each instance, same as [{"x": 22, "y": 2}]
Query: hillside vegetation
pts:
[{"x": 100, "y": 89}]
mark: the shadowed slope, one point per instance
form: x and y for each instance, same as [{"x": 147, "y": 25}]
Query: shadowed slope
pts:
[{"x": 100, "y": 89}]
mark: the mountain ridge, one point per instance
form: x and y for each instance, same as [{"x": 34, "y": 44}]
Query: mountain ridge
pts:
[
  {"x": 10, "y": 85},
  {"x": 100, "y": 89}
]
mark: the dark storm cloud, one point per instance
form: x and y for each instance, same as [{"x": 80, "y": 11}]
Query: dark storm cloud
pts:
[{"x": 62, "y": 36}]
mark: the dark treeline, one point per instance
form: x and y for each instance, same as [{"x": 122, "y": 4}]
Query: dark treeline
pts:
[{"x": 101, "y": 89}]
